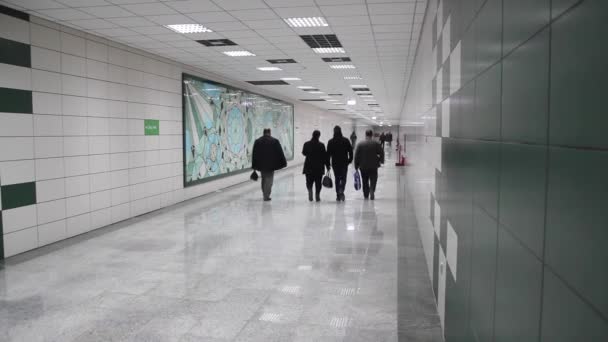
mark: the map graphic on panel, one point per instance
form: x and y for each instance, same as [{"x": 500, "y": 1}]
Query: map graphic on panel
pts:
[{"x": 221, "y": 123}]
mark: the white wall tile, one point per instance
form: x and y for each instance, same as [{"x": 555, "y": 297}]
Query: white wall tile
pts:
[
  {"x": 74, "y": 105},
  {"x": 45, "y": 37},
  {"x": 45, "y": 103},
  {"x": 136, "y": 127},
  {"x": 119, "y": 161},
  {"x": 119, "y": 144},
  {"x": 73, "y": 85},
  {"x": 97, "y": 107},
  {"x": 75, "y": 166},
  {"x": 101, "y": 181},
  {"x": 118, "y": 56},
  {"x": 137, "y": 143},
  {"x": 98, "y": 89},
  {"x": 119, "y": 127},
  {"x": 14, "y": 148},
  {"x": 77, "y": 185},
  {"x": 52, "y": 232},
  {"x": 101, "y": 200},
  {"x": 46, "y": 59},
  {"x": 51, "y": 211},
  {"x": 50, "y": 168},
  {"x": 75, "y": 146},
  {"x": 121, "y": 212},
  {"x": 75, "y": 125},
  {"x": 15, "y": 172},
  {"x": 49, "y": 190},
  {"x": 21, "y": 241},
  {"x": 73, "y": 65},
  {"x": 117, "y": 92},
  {"x": 452, "y": 250},
  {"x": 101, "y": 218},
  {"x": 119, "y": 178},
  {"x": 99, "y": 163},
  {"x": 48, "y": 125},
  {"x": 17, "y": 125},
  {"x": 15, "y": 29},
  {"x": 73, "y": 45},
  {"x": 77, "y": 205},
  {"x": 46, "y": 81},
  {"x": 117, "y": 109},
  {"x": 121, "y": 195},
  {"x": 97, "y": 70},
  {"x": 99, "y": 145},
  {"x": 19, "y": 218},
  {"x": 152, "y": 157},
  {"x": 15, "y": 77},
  {"x": 117, "y": 74},
  {"x": 48, "y": 147},
  {"x": 97, "y": 51},
  {"x": 78, "y": 225},
  {"x": 98, "y": 126}
]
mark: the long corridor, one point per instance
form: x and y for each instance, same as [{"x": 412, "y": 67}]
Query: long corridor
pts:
[{"x": 225, "y": 267}]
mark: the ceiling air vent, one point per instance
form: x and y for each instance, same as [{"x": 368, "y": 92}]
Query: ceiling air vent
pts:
[
  {"x": 278, "y": 82},
  {"x": 336, "y": 59},
  {"x": 360, "y": 89},
  {"x": 373, "y": 104},
  {"x": 334, "y": 94},
  {"x": 217, "y": 42},
  {"x": 322, "y": 41},
  {"x": 281, "y": 61}
]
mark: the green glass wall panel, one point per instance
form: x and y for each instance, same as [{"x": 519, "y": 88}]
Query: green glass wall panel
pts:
[
  {"x": 577, "y": 221},
  {"x": 525, "y": 92},
  {"x": 485, "y": 124},
  {"x": 18, "y": 195},
  {"x": 15, "y": 53},
  {"x": 578, "y": 70},
  {"x": 488, "y": 30},
  {"x": 518, "y": 292},
  {"x": 15, "y": 101},
  {"x": 523, "y": 18},
  {"x": 558, "y": 7}
]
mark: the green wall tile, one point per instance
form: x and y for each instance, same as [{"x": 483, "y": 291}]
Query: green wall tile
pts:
[
  {"x": 468, "y": 57},
  {"x": 577, "y": 221},
  {"x": 486, "y": 116},
  {"x": 15, "y": 53},
  {"x": 14, "y": 13},
  {"x": 525, "y": 92},
  {"x": 1, "y": 237},
  {"x": 559, "y": 6},
  {"x": 522, "y": 18},
  {"x": 15, "y": 101},
  {"x": 518, "y": 292},
  {"x": 486, "y": 176},
  {"x": 18, "y": 195},
  {"x": 467, "y": 111},
  {"x": 522, "y": 193},
  {"x": 578, "y": 74},
  {"x": 483, "y": 270},
  {"x": 488, "y": 28},
  {"x": 566, "y": 317}
]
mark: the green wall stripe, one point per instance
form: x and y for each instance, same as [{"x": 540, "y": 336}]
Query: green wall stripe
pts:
[
  {"x": 15, "y": 53},
  {"x": 15, "y": 101},
  {"x": 14, "y": 13},
  {"x": 1, "y": 238},
  {"x": 18, "y": 195}
]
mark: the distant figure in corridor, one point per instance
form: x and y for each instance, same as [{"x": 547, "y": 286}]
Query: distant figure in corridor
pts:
[
  {"x": 389, "y": 138},
  {"x": 382, "y": 138},
  {"x": 353, "y": 139},
  {"x": 340, "y": 152},
  {"x": 267, "y": 157},
  {"x": 315, "y": 164},
  {"x": 368, "y": 158}
]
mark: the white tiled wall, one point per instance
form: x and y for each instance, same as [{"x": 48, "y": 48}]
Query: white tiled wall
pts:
[{"x": 85, "y": 145}]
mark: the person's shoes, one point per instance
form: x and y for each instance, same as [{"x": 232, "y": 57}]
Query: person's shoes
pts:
[
  {"x": 342, "y": 197},
  {"x": 310, "y": 195},
  {"x": 371, "y": 196},
  {"x": 338, "y": 198},
  {"x": 267, "y": 199},
  {"x": 366, "y": 196}
]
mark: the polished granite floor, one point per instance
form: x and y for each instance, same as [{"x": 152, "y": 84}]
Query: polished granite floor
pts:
[{"x": 229, "y": 267}]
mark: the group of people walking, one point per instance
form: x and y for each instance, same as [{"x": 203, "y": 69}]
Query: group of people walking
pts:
[{"x": 368, "y": 156}]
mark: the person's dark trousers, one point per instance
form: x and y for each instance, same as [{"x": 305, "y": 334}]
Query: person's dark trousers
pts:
[
  {"x": 316, "y": 180},
  {"x": 267, "y": 180},
  {"x": 369, "y": 179},
  {"x": 340, "y": 176}
]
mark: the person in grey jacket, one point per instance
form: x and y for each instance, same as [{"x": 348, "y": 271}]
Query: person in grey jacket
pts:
[{"x": 369, "y": 155}]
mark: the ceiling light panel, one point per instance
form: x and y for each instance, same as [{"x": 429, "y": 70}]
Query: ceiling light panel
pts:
[
  {"x": 342, "y": 66},
  {"x": 238, "y": 53},
  {"x": 188, "y": 28},
  {"x": 269, "y": 69},
  {"x": 306, "y": 87},
  {"x": 291, "y": 79},
  {"x": 329, "y": 50},
  {"x": 352, "y": 77},
  {"x": 306, "y": 22},
  {"x": 217, "y": 42},
  {"x": 336, "y": 59},
  {"x": 281, "y": 61}
]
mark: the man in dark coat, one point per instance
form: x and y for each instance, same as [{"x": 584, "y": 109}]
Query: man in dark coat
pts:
[
  {"x": 340, "y": 152},
  {"x": 368, "y": 158},
  {"x": 315, "y": 164},
  {"x": 267, "y": 157}
]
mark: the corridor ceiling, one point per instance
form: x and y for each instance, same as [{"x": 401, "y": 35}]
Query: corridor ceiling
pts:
[{"x": 378, "y": 38}]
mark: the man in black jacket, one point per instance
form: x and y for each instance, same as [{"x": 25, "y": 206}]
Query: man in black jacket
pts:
[
  {"x": 340, "y": 151},
  {"x": 368, "y": 158},
  {"x": 267, "y": 157}
]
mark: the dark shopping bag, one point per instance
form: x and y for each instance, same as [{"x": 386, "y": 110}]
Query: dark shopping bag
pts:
[
  {"x": 254, "y": 176},
  {"x": 357, "y": 180},
  {"x": 327, "y": 182}
]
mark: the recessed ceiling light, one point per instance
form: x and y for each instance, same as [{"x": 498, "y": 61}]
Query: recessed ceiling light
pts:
[
  {"x": 329, "y": 50},
  {"x": 342, "y": 66},
  {"x": 351, "y": 102},
  {"x": 366, "y": 95},
  {"x": 306, "y": 22},
  {"x": 338, "y": 103},
  {"x": 352, "y": 77},
  {"x": 269, "y": 69},
  {"x": 240, "y": 53},
  {"x": 291, "y": 79},
  {"x": 315, "y": 92},
  {"x": 188, "y": 28},
  {"x": 374, "y": 118},
  {"x": 306, "y": 87},
  {"x": 358, "y": 86},
  {"x": 333, "y": 100}
]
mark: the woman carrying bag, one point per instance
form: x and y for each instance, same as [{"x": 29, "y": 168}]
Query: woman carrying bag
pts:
[{"x": 315, "y": 164}]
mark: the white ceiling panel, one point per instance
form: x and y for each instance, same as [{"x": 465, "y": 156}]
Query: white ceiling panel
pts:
[
  {"x": 227, "y": 26},
  {"x": 266, "y": 24},
  {"x": 36, "y": 4},
  {"x": 391, "y": 19},
  {"x": 154, "y": 8},
  {"x": 107, "y": 11},
  {"x": 170, "y": 19},
  {"x": 298, "y": 12},
  {"x": 204, "y": 18},
  {"x": 339, "y": 2},
  {"x": 83, "y": 3},
  {"x": 348, "y": 21},
  {"x": 231, "y": 5},
  {"x": 391, "y": 8},
  {"x": 93, "y": 24},
  {"x": 151, "y": 30},
  {"x": 115, "y": 32},
  {"x": 192, "y": 6},
  {"x": 65, "y": 14},
  {"x": 131, "y": 22},
  {"x": 254, "y": 14},
  {"x": 344, "y": 10}
]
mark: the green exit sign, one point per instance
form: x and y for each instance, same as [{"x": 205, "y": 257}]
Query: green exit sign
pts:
[{"x": 151, "y": 127}]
